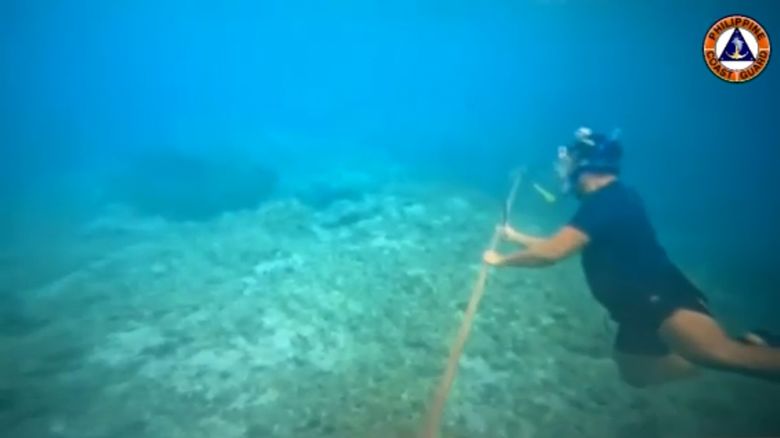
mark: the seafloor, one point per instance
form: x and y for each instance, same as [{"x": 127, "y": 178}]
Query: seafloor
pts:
[{"x": 295, "y": 321}]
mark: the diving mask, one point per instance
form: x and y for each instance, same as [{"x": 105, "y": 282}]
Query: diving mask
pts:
[{"x": 589, "y": 152}]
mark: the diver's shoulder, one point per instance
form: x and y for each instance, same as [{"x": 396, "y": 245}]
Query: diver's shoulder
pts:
[
  {"x": 620, "y": 192},
  {"x": 629, "y": 194},
  {"x": 622, "y": 187}
]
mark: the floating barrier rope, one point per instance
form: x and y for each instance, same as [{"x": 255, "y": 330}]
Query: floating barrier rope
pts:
[{"x": 433, "y": 420}]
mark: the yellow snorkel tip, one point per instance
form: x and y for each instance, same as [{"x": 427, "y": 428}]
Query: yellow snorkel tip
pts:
[{"x": 545, "y": 194}]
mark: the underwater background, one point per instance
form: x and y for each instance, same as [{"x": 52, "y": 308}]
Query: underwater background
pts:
[{"x": 263, "y": 219}]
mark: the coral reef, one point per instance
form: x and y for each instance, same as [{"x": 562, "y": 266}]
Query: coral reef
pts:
[
  {"x": 182, "y": 185},
  {"x": 334, "y": 320}
]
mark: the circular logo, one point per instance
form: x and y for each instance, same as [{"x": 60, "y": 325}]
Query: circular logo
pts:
[{"x": 736, "y": 48}]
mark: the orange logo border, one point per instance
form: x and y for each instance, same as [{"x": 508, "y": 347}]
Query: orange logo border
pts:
[{"x": 747, "y": 24}]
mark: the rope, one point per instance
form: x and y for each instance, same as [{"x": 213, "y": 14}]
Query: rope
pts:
[{"x": 433, "y": 420}]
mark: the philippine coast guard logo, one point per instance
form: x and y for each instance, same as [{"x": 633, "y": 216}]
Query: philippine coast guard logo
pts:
[{"x": 736, "y": 48}]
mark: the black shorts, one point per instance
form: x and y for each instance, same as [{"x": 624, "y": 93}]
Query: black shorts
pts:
[{"x": 638, "y": 332}]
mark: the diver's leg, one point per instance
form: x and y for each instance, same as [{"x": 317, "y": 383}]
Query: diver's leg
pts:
[
  {"x": 641, "y": 371},
  {"x": 698, "y": 338},
  {"x": 644, "y": 359}
]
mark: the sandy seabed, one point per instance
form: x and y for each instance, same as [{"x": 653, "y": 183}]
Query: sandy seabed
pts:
[{"x": 293, "y": 322}]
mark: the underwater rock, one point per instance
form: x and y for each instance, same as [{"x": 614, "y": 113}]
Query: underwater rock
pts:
[
  {"x": 259, "y": 431},
  {"x": 181, "y": 186},
  {"x": 14, "y": 320},
  {"x": 324, "y": 190},
  {"x": 345, "y": 214},
  {"x": 346, "y": 219},
  {"x": 322, "y": 197},
  {"x": 159, "y": 269},
  {"x": 9, "y": 399}
]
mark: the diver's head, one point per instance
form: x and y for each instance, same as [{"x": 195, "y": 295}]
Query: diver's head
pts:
[{"x": 589, "y": 162}]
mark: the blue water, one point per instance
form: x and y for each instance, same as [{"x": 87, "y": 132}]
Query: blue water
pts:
[{"x": 227, "y": 131}]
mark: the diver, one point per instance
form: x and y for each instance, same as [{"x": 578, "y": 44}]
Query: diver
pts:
[{"x": 665, "y": 330}]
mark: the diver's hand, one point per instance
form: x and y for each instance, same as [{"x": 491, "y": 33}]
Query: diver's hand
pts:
[
  {"x": 493, "y": 258},
  {"x": 508, "y": 233},
  {"x": 583, "y": 133}
]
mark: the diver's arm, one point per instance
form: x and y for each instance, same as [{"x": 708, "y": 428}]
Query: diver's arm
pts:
[
  {"x": 544, "y": 252},
  {"x": 519, "y": 238},
  {"x": 526, "y": 258},
  {"x": 524, "y": 239}
]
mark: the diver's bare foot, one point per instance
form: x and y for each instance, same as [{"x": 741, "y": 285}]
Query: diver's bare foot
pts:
[{"x": 754, "y": 339}]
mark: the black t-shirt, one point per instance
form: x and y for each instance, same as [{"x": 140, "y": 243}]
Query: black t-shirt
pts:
[{"x": 624, "y": 263}]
